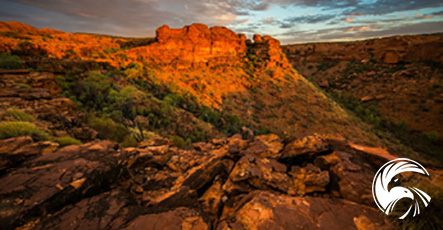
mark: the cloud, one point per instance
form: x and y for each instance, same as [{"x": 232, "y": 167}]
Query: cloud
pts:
[
  {"x": 362, "y": 28},
  {"x": 310, "y": 19},
  {"x": 285, "y": 25},
  {"x": 130, "y": 17},
  {"x": 340, "y": 18},
  {"x": 356, "y": 14},
  {"x": 421, "y": 16},
  {"x": 268, "y": 20},
  {"x": 361, "y": 7},
  {"x": 363, "y": 33},
  {"x": 241, "y": 21},
  {"x": 389, "y": 6},
  {"x": 319, "y": 3},
  {"x": 348, "y": 19}
]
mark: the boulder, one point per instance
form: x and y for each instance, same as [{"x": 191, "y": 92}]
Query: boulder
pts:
[
  {"x": 261, "y": 173},
  {"x": 305, "y": 147},
  {"x": 265, "y": 210},
  {"x": 308, "y": 179},
  {"x": 391, "y": 57},
  {"x": 56, "y": 180},
  {"x": 108, "y": 210},
  {"x": 177, "y": 219},
  {"x": 14, "y": 151},
  {"x": 265, "y": 146}
]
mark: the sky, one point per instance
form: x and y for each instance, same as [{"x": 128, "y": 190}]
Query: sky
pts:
[{"x": 290, "y": 21}]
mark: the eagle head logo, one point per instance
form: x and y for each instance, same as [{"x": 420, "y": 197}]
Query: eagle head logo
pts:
[{"x": 386, "y": 199}]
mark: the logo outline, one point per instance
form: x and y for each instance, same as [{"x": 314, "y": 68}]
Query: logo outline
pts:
[{"x": 388, "y": 198}]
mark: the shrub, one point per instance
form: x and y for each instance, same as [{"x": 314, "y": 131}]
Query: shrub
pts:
[
  {"x": 129, "y": 141},
  {"x": 19, "y": 128},
  {"x": 198, "y": 136},
  {"x": 402, "y": 125},
  {"x": 180, "y": 142},
  {"x": 207, "y": 115},
  {"x": 93, "y": 90},
  {"x": 432, "y": 136},
  {"x": 133, "y": 70},
  {"x": 108, "y": 129},
  {"x": 124, "y": 95},
  {"x": 20, "y": 115},
  {"x": 262, "y": 130},
  {"x": 8, "y": 61},
  {"x": 110, "y": 50},
  {"x": 67, "y": 140}
]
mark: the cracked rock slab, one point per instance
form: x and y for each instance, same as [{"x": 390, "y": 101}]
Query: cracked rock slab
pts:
[
  {"x": 47, "y": 183},
  {"x": 265, "y": 210}
]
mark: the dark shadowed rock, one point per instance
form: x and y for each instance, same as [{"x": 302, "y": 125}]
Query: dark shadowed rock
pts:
[
  {"x": 16, "y": 150},
  {"x": 211, "y": 201},
  {"x": 47, "y": 183},
  {"x": 108, "y": 210}
]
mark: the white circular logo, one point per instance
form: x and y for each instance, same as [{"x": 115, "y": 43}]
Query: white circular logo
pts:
[{"x": 386, "y": 199}]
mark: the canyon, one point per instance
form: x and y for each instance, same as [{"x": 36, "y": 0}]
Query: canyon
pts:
[{"x": 202, "y": 128}]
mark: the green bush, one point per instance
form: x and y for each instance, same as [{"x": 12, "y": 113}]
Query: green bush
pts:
[
  {"x": 67, "y": 140},
  {"x": 20, "y": 115},
  {"x": 180, "y": 142},
  {"x": 108, "y": 129},
  {"x": 19, "y": 128},
  {"x": 8, "y": 61},
  {"x": 93, "y": 91},
  {"x": 432, "y": 136},
  {"x": 402, "y": 125},
  {"x": 129, "y": 141}
]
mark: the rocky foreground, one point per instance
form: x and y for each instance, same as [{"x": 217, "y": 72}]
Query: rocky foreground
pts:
[{"x": 311, "y": 182}]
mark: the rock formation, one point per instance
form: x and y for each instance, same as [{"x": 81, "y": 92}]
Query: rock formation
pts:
[{"x": 227, "y": 184}]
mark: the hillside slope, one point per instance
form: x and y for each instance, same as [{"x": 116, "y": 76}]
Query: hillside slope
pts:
[
  {"x": 395, "y": 82},
  {"x": 213, "y": 67}
]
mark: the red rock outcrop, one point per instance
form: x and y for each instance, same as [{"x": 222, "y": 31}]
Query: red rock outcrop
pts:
[
  {"x": 194, "y": 45},
  {"x": 268, "y": 50},
  {"x": 197, "y": 45}
]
